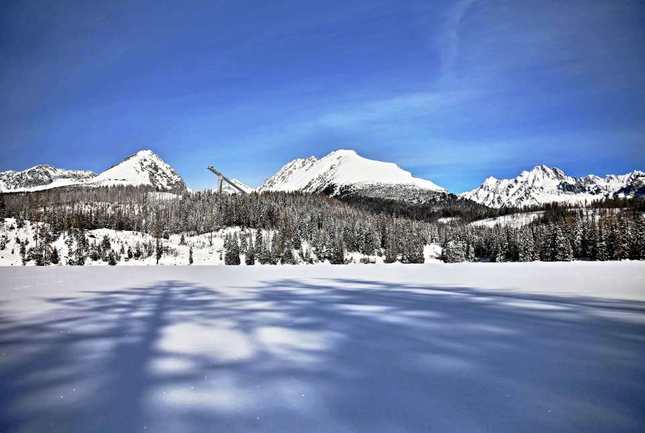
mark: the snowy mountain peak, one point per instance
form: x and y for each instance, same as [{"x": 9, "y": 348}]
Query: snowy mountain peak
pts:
[
  {"x": 339, "y": 153},
  {"x": 543, "y": 184},
  {"x": 144, "y": 168},
  {"x": 543, "y": 171},
  {"x": 41, "y": 176},
  {"x": 343, "y": 171},
  {"x": 490, "y": 180}
]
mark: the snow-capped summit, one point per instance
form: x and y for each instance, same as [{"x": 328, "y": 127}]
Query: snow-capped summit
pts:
[
  {"x": 543, "y": 184},
  {"x": 143, "y": 168},
  {"x": 39, "y": 177},
  {"x": 345, "y": 171}
]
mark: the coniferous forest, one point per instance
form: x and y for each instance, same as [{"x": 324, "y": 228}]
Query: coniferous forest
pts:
[{"x": 285, "y": 228}]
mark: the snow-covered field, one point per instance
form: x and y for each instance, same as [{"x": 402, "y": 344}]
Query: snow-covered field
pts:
[
  {"x": 509, "y": 347},
  {"x": 515, "y": 220}
]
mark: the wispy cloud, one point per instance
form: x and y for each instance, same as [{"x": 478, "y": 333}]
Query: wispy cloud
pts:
[{"x": 449, "y": 37}]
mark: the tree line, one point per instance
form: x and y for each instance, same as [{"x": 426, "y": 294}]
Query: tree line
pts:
[{"x": 280, "y": 227}]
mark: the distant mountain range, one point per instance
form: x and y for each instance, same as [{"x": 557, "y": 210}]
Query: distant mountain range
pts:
[
  {"x": 544, "y": 184},
  {"x": 344, "y": 173},
  {"x": 144, "y": 168}
]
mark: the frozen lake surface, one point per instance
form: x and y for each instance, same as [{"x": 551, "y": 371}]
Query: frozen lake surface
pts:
[{"x": 540, "y": 347}]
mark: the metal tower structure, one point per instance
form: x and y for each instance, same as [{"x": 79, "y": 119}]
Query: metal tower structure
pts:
[{"x": 223, "y": 179}]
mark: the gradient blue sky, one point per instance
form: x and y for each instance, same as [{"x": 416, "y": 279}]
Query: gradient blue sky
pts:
[{"x": 453, "y": 91}]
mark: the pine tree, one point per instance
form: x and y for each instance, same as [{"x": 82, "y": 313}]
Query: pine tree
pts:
[
  {"x": 249, "y": 258},
  {"x": 453, "y": 252},
  {"x": 69, "y": 242},
  {"x": 413, "y": 249},
  {"x": 158, "y": 249},
  {"x": 338, "y": 253},
  {"x": 111, "y": 259},
  {"x": 54, "y": 258},
  {"x": 23, "y": 253},
  {"x": 258, "y": 240},
  {"x": 621, "y": 240},
  {"x": 600, "y": 249},
  {"x": 190, "y": 255},
  {"x": 391, "y": 250},
  {"x": 106, "y": 245},
  {"x": 560, "y": 248},
  {"x": 470, "y": 252},
  {"x": 244, "y": 246},
  {"x": 81, "y": 247},
  {"x": 287, "y": 254},
  {"x": 231, "y": 251},
  {"x": 526, "y": 247}
]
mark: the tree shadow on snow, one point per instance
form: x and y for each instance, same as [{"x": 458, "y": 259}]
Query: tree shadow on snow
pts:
[{"x": 333, "y": 355}]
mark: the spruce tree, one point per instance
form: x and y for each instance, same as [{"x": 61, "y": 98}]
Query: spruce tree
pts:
[
  {"x": 231, "y": 251},
  {"x": 338, "y": 253},
  {"x": 158, "y": 250},
  {"x": 560, "y": 247},
  {"x": 413, "y": 249},
  {"x": 287, "y": 254},
  {"x": 454, "y": 252},
  {"x": 470, "y": 253},
  {"x": 249, "y": 258},
  {"x": 54, "y": 258}
]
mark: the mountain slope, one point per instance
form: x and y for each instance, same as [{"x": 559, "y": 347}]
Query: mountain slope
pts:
[
  {"x": 144, "y": 168},
  {"x": 41, "y": 177},
  {"x": 544, "y": 184},
  {"x": 344, "y": 172},
  {"x": 230, "y": 190}
]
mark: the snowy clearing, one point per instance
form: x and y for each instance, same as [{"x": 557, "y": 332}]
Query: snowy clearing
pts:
[
  {"x": 509, "y": 347},
  {"x": 515, "y": 220}
]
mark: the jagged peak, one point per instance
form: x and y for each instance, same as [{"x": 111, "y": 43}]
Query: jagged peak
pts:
[
  {"x": 41, "y": 167},
  {"x": 545, "y": 169},
  {"x": 490, "y": 180},
  {"x": 544, "y": 184},
  {"x": 143, "y": 154}
]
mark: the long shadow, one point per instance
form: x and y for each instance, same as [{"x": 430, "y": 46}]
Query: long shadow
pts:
[{"x": 335, "y": 355}]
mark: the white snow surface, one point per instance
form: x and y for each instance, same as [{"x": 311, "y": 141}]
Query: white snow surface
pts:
[
  {"x": 341, "y": 168},
  {"x": 508, "y": 347},
  {"x": 515, "y": 220}
]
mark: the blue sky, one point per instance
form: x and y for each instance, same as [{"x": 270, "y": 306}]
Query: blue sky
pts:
[{"x": 453, "y": 91}]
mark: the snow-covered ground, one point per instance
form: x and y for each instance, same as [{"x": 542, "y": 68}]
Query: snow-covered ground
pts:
[
  {"x": 510, "y": 347},
  {"x": 515, "y": 220}
]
